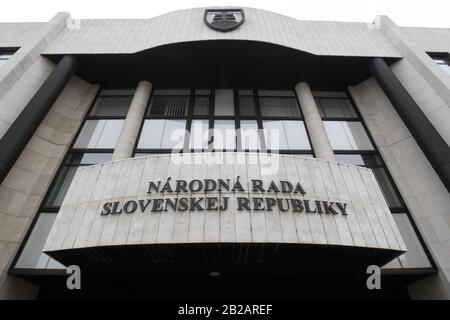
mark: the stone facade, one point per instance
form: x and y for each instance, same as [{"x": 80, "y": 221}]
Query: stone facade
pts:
[{"x": 22, "y": 191}]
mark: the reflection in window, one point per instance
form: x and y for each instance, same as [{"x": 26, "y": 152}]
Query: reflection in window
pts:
[
  {"x": 443, "y": 62},
  {"x": 4, "y": 57},
  {"x": 374, "y": 162},
  {"x": 249, "y": 135},
  {"x": 201, "y": 102},
  {"x": 416, "y": 256},
  {"x": 112, "y": 103},
  {"x": 99, "y": 134},
  {"x": 32, "y": 256},
  {"x": 199, "y": 135},
  {"x": 162, "y": 134},
  {"x": 169, "y": 103},
  {"x": 347, "y": 135},
  {"x": 246, "y": 103},
  {"x": 334, "y": 107},
  {"x": 224, "y": 135},
  {"x": 387, "y": 187},
  {"x": 278, "y": 104},
  {"x": 65, "y": 175},
  {"x": 224, "y": 102},
  {"x": 285, "y": 135}
]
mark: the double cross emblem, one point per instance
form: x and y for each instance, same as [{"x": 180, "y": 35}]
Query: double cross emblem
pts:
[{"x": 224, "y": 19}]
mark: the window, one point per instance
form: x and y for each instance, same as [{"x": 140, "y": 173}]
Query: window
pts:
[
  {"x": 95, "y": 144},
  {"x": 347, "y": 135},
  {"x": 334, "y": 105},
  {"x": 224, "y": 102},
  {"x": 5, "y": 56},
  {"x": 246, "y": 103},
  {"x": 342, "y": 124},
  {"x": 32, "y": 256},
  {"x": 112, "y": 103},
  {"x": 162, "y": 134},
  {"x": 227, "y": 120},
  {"x": 416, "y": 256},
  {"x": 250, "y": 135},
  {"x": 202, "y": 102},
  {"x": 63, "y": 179},
  {"x": 443, "y": 61},
  {"x": 285, "y": 135},
  {"x": 99, "y": 134},
  {"x": 351, "y": 144},
  {"x": 172, "y": 103},
  {"x": 374, "y": 162},
  {"x": 224, "y": 133},
  {"x": 278, "y": 103},
  {"x": 199, "y": 135}
]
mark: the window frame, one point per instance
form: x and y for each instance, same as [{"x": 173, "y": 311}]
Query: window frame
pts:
[
  {"x": 445, "y": 56},
  {"x": 237, "y": 118},
  {"x": 394, "y": 210},
  {"x": 43, "y": 209}
]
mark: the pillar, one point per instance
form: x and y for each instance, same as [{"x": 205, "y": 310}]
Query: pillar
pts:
[
  {"x": 133, "y": 121},
  {"x": 319, "y": 138},
  {"x": 428, "y": 138},
  {"x": 23, "y": 128}
]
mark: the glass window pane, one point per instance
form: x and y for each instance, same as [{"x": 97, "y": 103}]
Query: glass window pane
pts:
[
  {"x": 201, "y": 106},
  {"x": 166, "y": 134},
  {"x": 279, "y": 107},
  {"x": 445, "y": 68},
  {"x": 171, "y": 92},
  {"x": 274, "y": 135},
  {"x": 286, "y": 135},
  {"x": 199, "y": 135},
  {"x": 224, "y": 102},
  {"x": 366, "y": 160},
  {"x": 203, "y": 92},
  {"x": 391, "y": 196},
  {"x": 249, "y": 135},
  {"x": 224, "y": 135},
  {"x": 173, "y": 136},
  {"x": 138, "y": 155},
  {"x": 99, "y": 134},
  {"x": 169, "y": 106},
  {"x": 394, "y": 264},
  {"x": 347, "y": 135},
  {"x": 151, "y": 134},
  {"x": 247, "y": 105},
  {"x": 88, "y": 158},
  {"x": 66, "y": 173},
  {"x": 245, "y": 92},
  {"x": 415, "y": 257},
  {"x": 276, "y": 93},
  {"x": 111, "y": 106},
  {"x": 61, "y": 186},
  {"x": 32, "y": 256},
  {"x": 335, "y": 108}
]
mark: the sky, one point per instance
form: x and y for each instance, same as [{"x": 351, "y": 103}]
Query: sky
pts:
[{"x": 423, "y": 13}]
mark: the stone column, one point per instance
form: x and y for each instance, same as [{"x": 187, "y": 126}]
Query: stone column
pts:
[
  {"x": 23, "y": 128},
  {"x": 133, "y": 121},
  {"x": 319, "y": 139}
]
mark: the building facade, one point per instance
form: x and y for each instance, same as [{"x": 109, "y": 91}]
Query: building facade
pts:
[{"x": 217, "y": 152}]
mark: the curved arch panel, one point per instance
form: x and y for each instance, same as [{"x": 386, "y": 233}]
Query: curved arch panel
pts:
[{"x": 131, "y": 36}]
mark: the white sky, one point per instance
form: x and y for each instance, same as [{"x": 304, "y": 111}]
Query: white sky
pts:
[{"x": 421, "y": 13}]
